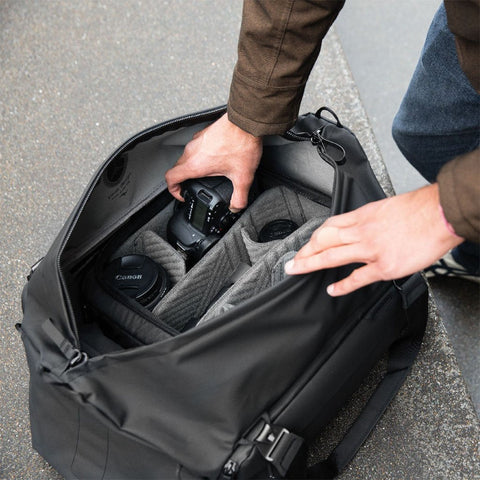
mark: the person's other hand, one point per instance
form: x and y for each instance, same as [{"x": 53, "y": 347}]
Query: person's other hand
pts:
[
  {"x": 221, "y": 149},
  {"x": 394, "y": 237}
]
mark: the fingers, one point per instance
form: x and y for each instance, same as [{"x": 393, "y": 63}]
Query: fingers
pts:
[
  {"x": 335, "y": 232},
  {"x": 174, "y": 177},
  {"x": 377, "y": 235},
  {"x": 221, "y": 149},
  {"x": 330, "y": 258},
  {"x": 321, "y": 239},
  {"x": 184, "y": 169},
  {"x": 238, "y": 201},
  {"x": 359, "y": 278},
  {"x": 337, "y": 242}
]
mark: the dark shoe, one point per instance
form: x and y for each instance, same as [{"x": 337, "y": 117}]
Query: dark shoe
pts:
[{"x": 448, "y": 267}]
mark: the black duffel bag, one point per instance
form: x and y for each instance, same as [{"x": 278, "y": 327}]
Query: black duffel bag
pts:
[{"x": 223, "y": 367}]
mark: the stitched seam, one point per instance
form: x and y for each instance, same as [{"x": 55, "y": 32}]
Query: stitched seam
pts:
[
  {"x": 106, "y": 455},
  {"x": 259, "y": 121},
  {"x": 444, "y": 134},
  {"x": 78, "y": 440},
  {"x": 280, "y": 44},
  {"x": 265, "y": 85}
]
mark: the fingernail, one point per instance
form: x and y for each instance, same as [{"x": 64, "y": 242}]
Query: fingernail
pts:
[
  {"x": 235, "y": 210},
  {"x": 331, "y": 289},
  {"x": 289, "y": 266}
]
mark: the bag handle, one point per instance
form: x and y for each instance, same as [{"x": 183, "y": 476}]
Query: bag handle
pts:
[{"x": 402, "y": 354}]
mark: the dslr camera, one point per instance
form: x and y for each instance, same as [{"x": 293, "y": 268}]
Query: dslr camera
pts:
[{"x": 199, "y": 222}]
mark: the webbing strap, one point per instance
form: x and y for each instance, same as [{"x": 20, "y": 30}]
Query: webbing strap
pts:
[{"x": 72, "y": 354}]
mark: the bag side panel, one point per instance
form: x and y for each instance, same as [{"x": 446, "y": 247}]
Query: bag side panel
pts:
[
  {"x": 341, "y": 374},
  {"x": 70, "y": 436},
  {"x": 53, "y": 423}
]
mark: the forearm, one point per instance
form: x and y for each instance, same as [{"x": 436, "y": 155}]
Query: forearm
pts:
[{"x": 278, "y": 45}]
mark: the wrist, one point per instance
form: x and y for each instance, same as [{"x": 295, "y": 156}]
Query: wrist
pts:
[
  {"x": 240, "y": 132},
  {"x": 441, "y": 227},
  {"x": 446, "y": 226},
  {"x": 446, "y": 222}
]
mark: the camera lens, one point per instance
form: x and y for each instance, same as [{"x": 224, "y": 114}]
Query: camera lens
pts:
[
  {"x": 138, "y": 277},
  {"x": 276, "y": 230}
]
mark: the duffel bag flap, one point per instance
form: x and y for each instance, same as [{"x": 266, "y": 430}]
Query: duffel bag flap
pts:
[{"x": 192, "y": 395}]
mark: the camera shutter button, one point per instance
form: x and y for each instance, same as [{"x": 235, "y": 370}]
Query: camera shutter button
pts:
[{"x": 204, "y": 196}]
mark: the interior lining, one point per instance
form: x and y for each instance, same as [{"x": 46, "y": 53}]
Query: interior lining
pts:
[{"x": 237, "y": 268}]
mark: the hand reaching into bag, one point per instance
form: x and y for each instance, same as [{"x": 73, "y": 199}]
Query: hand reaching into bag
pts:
[
  {"x": 220, "y": 149},
  {"x": 393, "y": 238}
]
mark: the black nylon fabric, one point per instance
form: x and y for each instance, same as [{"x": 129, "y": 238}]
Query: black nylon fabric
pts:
[
  {"x": 189, "y": 397},
  {"x": 203, "y": 387}
]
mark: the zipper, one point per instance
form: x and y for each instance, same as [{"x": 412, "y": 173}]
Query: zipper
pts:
[
  {"x": 297, "y": 137},
  {"x": 157, "y": 129}
]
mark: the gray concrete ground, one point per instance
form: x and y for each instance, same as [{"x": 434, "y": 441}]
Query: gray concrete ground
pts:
[
  {"x": 78, "y": 78},
  {"x": 382, "y": 41}
]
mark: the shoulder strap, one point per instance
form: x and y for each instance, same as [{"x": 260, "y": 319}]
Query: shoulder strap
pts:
[{"x": 401, "y": 357}]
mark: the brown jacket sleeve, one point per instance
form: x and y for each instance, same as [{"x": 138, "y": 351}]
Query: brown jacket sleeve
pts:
[
  {"x": 459, "y": 185},
  {"x": 279, "y": 43},
  {"x": 459, "y": 180}
]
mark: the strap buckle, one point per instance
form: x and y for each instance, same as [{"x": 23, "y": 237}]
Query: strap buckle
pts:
[
  {"x": 278, "y": 446},
  {"x": 277, "y": 442}
]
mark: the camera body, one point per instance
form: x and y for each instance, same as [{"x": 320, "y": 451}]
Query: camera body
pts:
[{"x": 199, "y": 222}]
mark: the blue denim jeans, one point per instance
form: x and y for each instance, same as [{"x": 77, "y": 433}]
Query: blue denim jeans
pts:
[{"x": 439, "y": 117}]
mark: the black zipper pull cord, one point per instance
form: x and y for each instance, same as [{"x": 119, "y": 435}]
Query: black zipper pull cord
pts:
[{"x": 321, "y": 143}]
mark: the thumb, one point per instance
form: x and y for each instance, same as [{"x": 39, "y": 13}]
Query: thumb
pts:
[
  {"x": 239, "y": 198},
  {"x": 176, "y": 191},
  {"x": 174, "y": 177}
]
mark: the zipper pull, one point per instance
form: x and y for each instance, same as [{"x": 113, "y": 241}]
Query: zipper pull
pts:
[
  {"x": 316, "y": 138},
  {"x": 321, "y": 143}
]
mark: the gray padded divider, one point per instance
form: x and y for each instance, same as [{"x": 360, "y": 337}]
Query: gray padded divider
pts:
[
  {"x": 193, "y": 294},
  {"x": 259, "y": 277},
  {"x": 157, "y": 224},
  {"x": 159, "y": 250},
  {"x": 255, "y": 249},
  {"x": 278, "y": 271}
]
